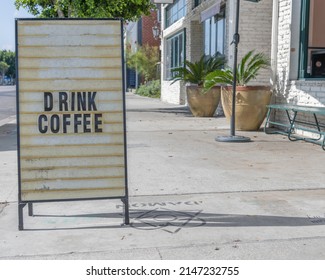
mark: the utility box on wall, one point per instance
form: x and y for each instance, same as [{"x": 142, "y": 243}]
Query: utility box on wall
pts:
[{"x": 71, "y": 110}]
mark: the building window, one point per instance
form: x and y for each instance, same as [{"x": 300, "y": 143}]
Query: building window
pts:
[
  {"x": 175, "y": 11},
  {"x": 312, "y": 52},
  {"x": 214, "y": 34},
  {"x": 175, "y": 53},
  {"x": 197, "y": 3}
]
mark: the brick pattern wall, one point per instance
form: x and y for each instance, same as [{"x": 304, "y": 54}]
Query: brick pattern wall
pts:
[
  {"x": 299, "y": 92},
  {"x": 147, "y": 36},
  {"x": 255, "y": 31}
]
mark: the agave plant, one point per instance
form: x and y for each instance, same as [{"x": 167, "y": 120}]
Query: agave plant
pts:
[
  {"x": 196, "y": 72},
  {"x": 247, "y": 70}
]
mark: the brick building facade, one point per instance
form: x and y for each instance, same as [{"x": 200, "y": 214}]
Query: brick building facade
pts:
[
  {"x": 146, "y": 24},
  {"x": 295, "y": 81},
  {"x": 190, "y": 19},
  {"x": 138, "y": 34},
  {"x": 289, "y": 32}
]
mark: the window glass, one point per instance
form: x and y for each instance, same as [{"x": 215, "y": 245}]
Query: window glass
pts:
[
  {"x": 175, "y": 11},
  {"x": 220, "y": 33},
  {"x": 214, "y": 34},
  {"x": 175, "y": 53},
  {"x": 313, "y": 39},
  {"x": 197, "y": 3},
  {"x": 207, "y": 36}
]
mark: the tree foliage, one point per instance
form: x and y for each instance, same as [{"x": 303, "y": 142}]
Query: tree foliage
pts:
[
  {"x": 8, "y": 57},
  {"x": 127, "y": 9},
  {"x": 145, "y": 61}
]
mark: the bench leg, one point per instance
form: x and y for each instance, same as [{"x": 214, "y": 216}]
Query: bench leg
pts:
[
  {"x": 292, "y": 127},
  {"x": 267, "y": 121},
  {"x": 318, "y": 128}
]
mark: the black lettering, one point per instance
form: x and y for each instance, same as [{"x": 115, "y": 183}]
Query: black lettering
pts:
[
  {"x": 82, "y": 101},
  {"x": 86, "y": 121},
  {"x": 41, "y": 126},
  {"x": 48, "y": 101},
  {"x": 72, "y": 100},
  {"x": 77, "y": 122},
  {"x": 66, "y": 122},
  {"x": 91, "y": 101},
  {"x": 55, "y": 123},
  {"x": 63, "y": 101},
  {"x": 98, "y": 122}
]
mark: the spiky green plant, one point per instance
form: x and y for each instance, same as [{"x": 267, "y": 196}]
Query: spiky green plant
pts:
[
  {"x": 247, "y": 70},
  {"x": 196, "y": 72}
]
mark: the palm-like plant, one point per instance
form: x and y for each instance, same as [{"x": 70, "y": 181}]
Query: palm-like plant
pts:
[
  {"x": 196, "y": 72},
  {"x": 247, "y": 70}
]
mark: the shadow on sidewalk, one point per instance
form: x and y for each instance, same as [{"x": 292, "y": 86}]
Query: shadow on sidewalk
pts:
[
  {"x": 8, "y": 137},
  {"x": 173, "y": 221},
  {"x": 182, "y": 110}
]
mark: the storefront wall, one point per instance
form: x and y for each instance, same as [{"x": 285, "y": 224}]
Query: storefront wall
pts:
[
  {"x": 289, "y": 88},
  {"x": 255, "y": 34}
]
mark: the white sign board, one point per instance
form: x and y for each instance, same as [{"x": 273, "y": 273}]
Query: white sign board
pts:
[
  {"x": 163, "y": 1},
  {"x": 71, "y": 109}
]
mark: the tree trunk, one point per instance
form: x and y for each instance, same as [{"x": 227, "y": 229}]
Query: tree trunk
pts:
[{"x": 59, "y": 11}]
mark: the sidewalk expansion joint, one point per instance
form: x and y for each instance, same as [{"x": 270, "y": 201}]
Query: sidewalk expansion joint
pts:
[{"x": 227, "y": 192}]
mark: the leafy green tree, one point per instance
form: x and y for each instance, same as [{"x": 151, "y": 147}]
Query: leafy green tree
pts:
[
  {"x": 127, "y": 9},
  {"x": 3, "y": 69},
  {"x": 10, "y": 59},
  {"x": 145, "y": 61}
]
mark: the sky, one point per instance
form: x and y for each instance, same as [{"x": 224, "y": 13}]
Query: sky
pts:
[{"x": 8, "y": 13}]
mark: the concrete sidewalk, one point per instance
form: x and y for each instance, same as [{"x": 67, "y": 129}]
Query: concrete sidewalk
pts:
[{"x": 190, "y": 197}]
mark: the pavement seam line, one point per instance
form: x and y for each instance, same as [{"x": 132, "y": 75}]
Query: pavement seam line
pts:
[{"x": 167, "y": 247}]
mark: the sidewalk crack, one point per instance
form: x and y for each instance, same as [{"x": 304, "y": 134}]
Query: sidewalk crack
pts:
[
  {"x": 160, "y": 256},
  {"x": 3, "y": 205}
]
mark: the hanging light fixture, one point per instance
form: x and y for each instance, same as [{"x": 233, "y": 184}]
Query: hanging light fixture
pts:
[{"x": 156, "y": 31}]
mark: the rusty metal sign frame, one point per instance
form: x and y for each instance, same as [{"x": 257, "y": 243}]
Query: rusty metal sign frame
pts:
[{"x": 22, "y": 203}]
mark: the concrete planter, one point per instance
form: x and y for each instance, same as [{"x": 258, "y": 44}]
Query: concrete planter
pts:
[
  {"x": 251, "y": 107},
  {"x": 203, "y": 104}
]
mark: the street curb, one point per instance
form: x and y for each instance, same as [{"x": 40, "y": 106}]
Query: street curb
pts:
[{"x": 11, "y": 119}]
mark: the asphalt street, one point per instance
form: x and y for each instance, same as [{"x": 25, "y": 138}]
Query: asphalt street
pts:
[{"x": 7, "y": 103}]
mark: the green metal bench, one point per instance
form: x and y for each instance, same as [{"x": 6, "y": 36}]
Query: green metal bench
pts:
[{"x": 295, "y": 123}]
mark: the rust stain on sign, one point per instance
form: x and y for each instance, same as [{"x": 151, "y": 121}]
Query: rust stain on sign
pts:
[{"x": 71, "y": 109}]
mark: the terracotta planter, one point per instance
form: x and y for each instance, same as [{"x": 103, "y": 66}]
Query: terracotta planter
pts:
[
  {"x": 250, "y": 108},
  {"x": 203, "y": 104}
]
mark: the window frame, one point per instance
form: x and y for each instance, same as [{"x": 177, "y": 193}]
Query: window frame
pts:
[
  {"x": 214, "y": 18},
  {"x": 174, "y": 57},
  {"x": 174, "y": 10},
  {"x": 303, "y": 73},
  {"x": 196, "y": 3}
]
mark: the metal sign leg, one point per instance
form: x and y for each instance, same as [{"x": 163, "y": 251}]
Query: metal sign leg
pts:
[
  {"x": 126, "y": 211},
  {"x": 21, "y": 215},
  {"x": 30, "y": 209}
]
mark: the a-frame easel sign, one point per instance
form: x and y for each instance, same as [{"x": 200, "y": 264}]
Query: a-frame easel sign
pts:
[{"x": 70, "y": 111}]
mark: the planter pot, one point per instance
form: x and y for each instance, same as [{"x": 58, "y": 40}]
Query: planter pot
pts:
[
  {"x": 250, "y": 108},
  {"x": 203, "y": 104}
]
